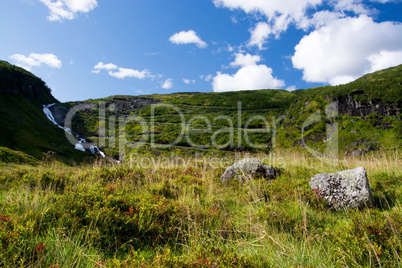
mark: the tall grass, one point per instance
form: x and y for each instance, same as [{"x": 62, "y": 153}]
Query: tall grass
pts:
[{"x": 109, "y": 215}]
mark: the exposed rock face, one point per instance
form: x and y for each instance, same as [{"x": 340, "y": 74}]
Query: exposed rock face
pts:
[
  {"x": 17, "y": 81},
  {"x": 347, "y": 104},
  {"x": 125, "y": 105},
  {"x": 345, "y": 189},
  {"x": 59, "y": 112},
  {"x": 121, "y": 105},
  {"x": 247, "y": 169}
]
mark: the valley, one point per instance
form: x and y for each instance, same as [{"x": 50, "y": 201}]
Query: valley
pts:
[{"x": 135, "y": 181}]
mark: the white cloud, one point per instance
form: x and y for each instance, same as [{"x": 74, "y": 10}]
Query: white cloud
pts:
[
  {"x": 168, "y": 84},
  {"x": 279, "y": 13},
  {"x": 188, "y": 81},
  {"x": 250, "y": 76},
  {"x": 385, "y": 59},
  {"x": 108, "y": 66},
  {"x": 291, "y": 88},
  {"x": 67, "y": 9},
  {"x": 124, "y": 72},
  {"x": 36, "y": 60},
  {"x": 245, "y": 60},
  {"x": 259, "y": 35},
  {"x": 347, "y": 48},
  {"x": 189, "y": 37},
  {"x": 351, "y": 5},
  {"x": 320, "y": 19},
  {"x": 120, "y": 72}
]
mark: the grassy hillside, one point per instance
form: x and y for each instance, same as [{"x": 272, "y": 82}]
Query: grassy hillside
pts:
[
  {"x": 381, "y": 132},
  {"x": 202, "y": 115},
  {"x": 166, "y": 206},
  {"x": 199, "y": 122},
  {"x": 17, "y": 81},
  {"x": 25, "y": 127},
  {"x": 28, "y": 130},
  {"x": 181, "y": 215}
]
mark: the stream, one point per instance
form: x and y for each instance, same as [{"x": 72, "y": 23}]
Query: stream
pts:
[{"x": 80, "y": 144}]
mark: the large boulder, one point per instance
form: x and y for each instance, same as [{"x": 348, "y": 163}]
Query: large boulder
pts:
[
  {"x": 345, "y": 189},
  {"x": 247, "y": 169}
]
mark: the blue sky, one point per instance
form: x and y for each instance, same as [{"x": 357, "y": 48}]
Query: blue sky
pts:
[{"x": 97, "y": 48}]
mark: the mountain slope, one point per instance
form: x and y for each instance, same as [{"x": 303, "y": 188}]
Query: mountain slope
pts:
[
  {"x": 25, "y": 126},
  {"x": 367, "y": 118},
  {"x": 368, "y": 114}
]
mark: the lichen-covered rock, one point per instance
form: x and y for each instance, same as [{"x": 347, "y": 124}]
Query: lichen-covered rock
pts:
[
  {"x": 345, "y": 189},
  {"x": 247, "y": 169}
]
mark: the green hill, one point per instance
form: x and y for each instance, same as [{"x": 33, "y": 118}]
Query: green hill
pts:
[
  {"x": 25, "y": 127},
  {"x": 367, "y": 118}
]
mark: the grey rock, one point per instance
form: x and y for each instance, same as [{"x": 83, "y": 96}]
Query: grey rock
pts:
[
  {"x": 350, "y": 105},
  {"x": 345, "y": 189},
  {"x": 247, "y": 169}
]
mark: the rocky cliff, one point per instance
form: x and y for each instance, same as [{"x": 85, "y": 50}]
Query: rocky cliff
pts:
[
  {"x": 17, "y": 81},
  {"x": 357, "y": 104}
]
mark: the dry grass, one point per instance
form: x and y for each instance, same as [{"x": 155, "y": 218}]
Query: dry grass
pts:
[{"x": 182, "y": 215}]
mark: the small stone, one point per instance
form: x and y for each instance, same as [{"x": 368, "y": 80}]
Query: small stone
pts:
[{"x": 247, "y": 169}]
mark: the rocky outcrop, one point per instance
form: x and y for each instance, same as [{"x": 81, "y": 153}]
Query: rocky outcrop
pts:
[
  {"x": 354, "y": 104},
  {"x": 127, "y": 104},
  {"x": 248, "y": 169},
  {"x": 17, "y": 81},
  {"x": 59, "y": 112},
  {"x": 344, "y": 189},
  {"x": 117, "y": 105}
]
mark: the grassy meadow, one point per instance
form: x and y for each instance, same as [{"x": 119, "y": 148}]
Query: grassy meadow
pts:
[{"x": 177, "y": 213}]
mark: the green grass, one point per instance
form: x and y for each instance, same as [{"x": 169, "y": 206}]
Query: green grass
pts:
[
  {"x": 29, "y": 131},
  {"x": 181, "y": 215},
  {"x": 380, "y": 132},
  {"x": 10, "y": 156}
]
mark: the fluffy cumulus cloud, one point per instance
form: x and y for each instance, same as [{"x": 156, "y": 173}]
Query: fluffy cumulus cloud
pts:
[
  {"x": 347, "y": 48},
  {"x": 36, "y": 60},
  {"x": 243, "y": 60},
  {"x": 67, "y": 9},
  {"x": 122, "y": 73},
  {"x": 250, "y": 76},
  {"x": 187, "y": 37},
  {"x": 279, "y": 13},
  {"x": 108, "y": 66},
  {"x": 259, "y": 35},
  {"x": 351, "y": 5},
  {"x": 168, "y": 84},
  {"x": 119, "y": 72}
]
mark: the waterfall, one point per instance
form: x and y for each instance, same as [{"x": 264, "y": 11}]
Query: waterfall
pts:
[{"x": 78, "y": 146}]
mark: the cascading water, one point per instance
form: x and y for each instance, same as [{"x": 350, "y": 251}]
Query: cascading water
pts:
[{"x": 79, "y": 146}]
